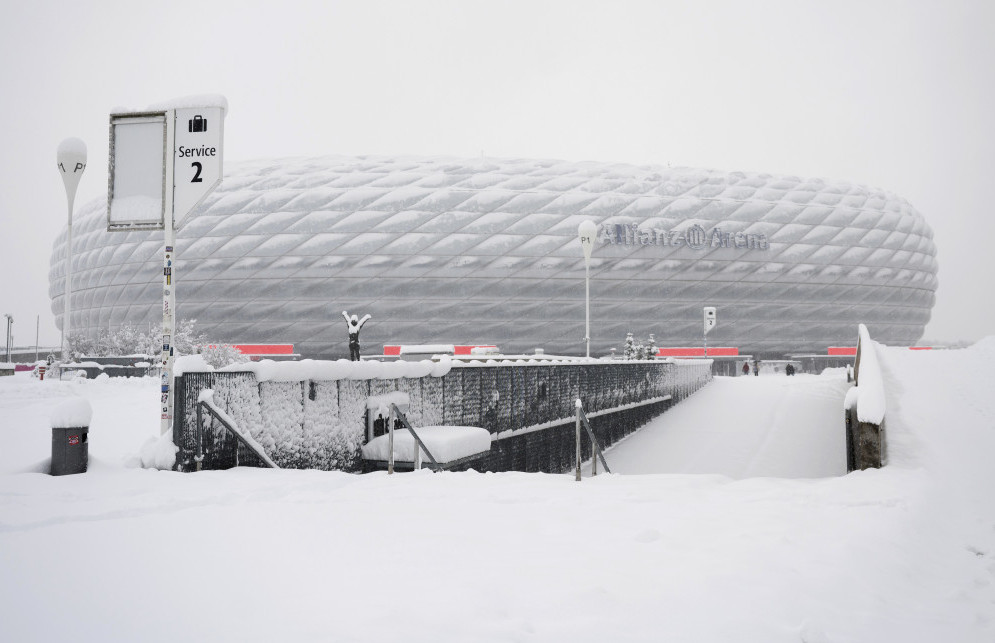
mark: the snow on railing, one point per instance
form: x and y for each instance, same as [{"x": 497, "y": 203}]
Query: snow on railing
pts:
[
  {"x": 864, "y": 408},
  {"x": 870, "y": 402}
]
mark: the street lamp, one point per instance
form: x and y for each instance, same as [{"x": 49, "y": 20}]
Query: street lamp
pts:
[
  {"x": 587, "y": 230},
  {"x": 71, "y": 159}
]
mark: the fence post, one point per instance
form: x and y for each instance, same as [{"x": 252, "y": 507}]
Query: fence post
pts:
[{"x": 390, "y": 440}]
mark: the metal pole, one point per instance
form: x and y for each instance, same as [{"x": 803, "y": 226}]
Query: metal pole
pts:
[
  {"x": 71, "y": 161},
  {"x": 587, "y": 305},
  {"x": 390, "y": 441},
  {"x": 168, "y": 282},
  {"x": 37, "y": 326},
  {"x": 577, "y": 436},
  {"x": 10, "y": 320},
  {"x": 67, "y": 307}
]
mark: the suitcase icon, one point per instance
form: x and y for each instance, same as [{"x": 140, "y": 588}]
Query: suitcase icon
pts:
[{"x": 198, "y": 124}]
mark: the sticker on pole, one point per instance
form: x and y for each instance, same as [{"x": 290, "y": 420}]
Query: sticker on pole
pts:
[{"x": 197, "y": 163}]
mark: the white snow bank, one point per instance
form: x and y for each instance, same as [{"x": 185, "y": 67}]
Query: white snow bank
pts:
[
  {"x": 870, "y": 387},
  {"x": 194, "y": 100},
  {"x": 159, "y": 453},
  {"x": 190, "y": 364},
  {"x": 308, "y": 369},
  {"x": 74, "y": 412},
  {"x": 447, "y": 443}
]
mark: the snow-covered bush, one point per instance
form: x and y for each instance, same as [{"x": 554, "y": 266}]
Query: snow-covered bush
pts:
[
  {"x": 629, "y": 352},
  {"x": 131, "y": 339},
  {"x": 218, "y": 355},
  {"x": 639, "y": 350}
]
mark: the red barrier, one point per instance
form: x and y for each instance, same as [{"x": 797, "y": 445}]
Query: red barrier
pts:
[
  {"x": 713, "y": 351},
  {"x": 841, "y": 350}
]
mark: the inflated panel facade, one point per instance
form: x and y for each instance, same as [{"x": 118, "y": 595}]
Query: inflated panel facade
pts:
[{"x": 485, "y": 251}]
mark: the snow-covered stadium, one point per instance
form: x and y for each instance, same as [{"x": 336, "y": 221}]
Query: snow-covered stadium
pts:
[{"x": 486, "y": 251}]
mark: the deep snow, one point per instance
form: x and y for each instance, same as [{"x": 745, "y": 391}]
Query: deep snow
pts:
[
  {"x": 905, "y": 553},
  {"x": 746, "y": 427}
]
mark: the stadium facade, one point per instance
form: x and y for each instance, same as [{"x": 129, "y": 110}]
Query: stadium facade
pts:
[{"x": 486, "y": 251}]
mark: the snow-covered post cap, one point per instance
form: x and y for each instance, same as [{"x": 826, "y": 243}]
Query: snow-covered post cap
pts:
[
  {"x": 577, "y": 404},
  {"x": 196, "y": 100},
  {"x": 74, "y": 412}
]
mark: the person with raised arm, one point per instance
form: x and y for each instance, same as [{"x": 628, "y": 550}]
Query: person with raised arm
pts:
[{"x": 353, "y": 324}]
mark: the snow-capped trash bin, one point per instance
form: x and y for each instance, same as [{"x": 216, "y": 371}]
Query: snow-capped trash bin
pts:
[{"x": 70, "y": 428}]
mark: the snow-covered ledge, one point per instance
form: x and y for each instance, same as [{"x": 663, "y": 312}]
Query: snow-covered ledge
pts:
[
  {"x": 311, "y": 369},
  {"x": 864, "y": 407}
]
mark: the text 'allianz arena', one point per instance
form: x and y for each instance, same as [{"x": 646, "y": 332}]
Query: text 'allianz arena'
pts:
[{"x": 486, "y": 251}]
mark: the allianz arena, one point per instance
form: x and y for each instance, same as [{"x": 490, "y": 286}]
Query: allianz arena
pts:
[{"x": 486, "y": 251}]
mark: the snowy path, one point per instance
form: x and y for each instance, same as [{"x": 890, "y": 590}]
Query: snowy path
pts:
[{"x": 745, "y": 427}]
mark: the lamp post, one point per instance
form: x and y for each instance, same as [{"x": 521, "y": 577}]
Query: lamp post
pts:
[
  {"x": 71, "y": 159},
  {"x": 587, "y": 230}
]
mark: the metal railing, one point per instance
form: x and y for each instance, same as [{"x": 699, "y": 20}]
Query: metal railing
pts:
[
  {"x": 596, "y": 452},
  {"x": 232, "y": 430},
  {"x": 419, "y": 444}
]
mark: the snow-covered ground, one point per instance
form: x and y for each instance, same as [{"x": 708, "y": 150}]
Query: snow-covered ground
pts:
[
  {"x": 905, "y": 553},
  {"x": 746, "y": 427}
]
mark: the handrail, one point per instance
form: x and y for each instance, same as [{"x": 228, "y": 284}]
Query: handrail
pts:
[
  {"x": 596, "y": 452},
  {"x": 416, "y": 459},
  {"x": 231, "y": 428}
]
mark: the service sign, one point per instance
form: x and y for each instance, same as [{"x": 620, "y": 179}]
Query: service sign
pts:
[
  {"x": 197, "y": 157},
  {"x": 146, "y": 188},
  {"x": 137, "y": 174}
]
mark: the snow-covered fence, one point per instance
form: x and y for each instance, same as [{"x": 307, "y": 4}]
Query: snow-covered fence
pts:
[
  {"x": 864, "y": 408},
  {"x": 313, "y": 414}
]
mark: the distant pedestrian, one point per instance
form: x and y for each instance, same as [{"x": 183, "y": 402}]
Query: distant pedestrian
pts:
[
  {"x": 746, "y": 368},
  {"x": 353, "y": 324},
  {"x": 756, "y": 368},
  {"x": 790, "y": 369}
]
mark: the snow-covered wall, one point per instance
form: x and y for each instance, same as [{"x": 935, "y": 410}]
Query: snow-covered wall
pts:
[{"x": 321, "y": 423}]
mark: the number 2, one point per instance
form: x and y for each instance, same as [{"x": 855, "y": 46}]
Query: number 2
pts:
[{"x": 196, "y": 177}]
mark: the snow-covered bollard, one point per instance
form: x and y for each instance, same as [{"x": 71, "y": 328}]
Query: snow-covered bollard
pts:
[{"x": 70, "y": 426}]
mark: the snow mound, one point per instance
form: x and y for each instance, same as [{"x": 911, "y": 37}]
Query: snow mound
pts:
[
  {"x": 159, "y": 453},
  {"x": 447, "y": 443},
  {"x": 74, "y": 412},
  {"x": 870, "y": 390},
  {"x": 323, "y": 370},
  {"x": 190, "y": 364},
  {"x": 194, "y": 100}
]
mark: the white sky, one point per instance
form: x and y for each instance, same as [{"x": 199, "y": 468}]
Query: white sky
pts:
[{"x": 897, "y": 95}]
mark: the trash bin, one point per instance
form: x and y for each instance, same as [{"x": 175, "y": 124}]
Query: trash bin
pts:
[{"x": 70, "y": 437}]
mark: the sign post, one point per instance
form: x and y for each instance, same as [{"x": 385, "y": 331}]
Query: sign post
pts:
[
  {"x": 709, "y": 324},
  {"x": 162, "y": 165}
]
